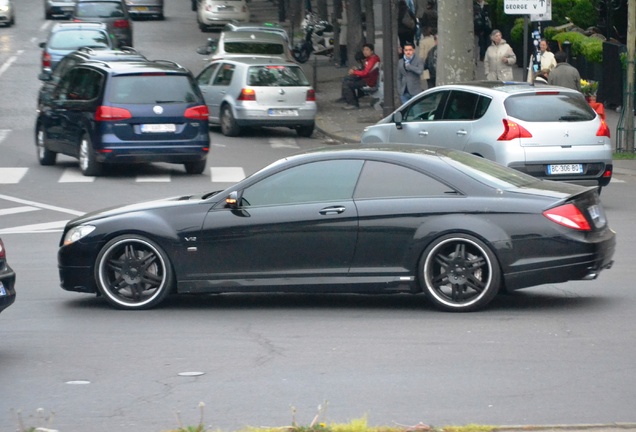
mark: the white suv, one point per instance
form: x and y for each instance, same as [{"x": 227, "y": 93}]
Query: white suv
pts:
[{"x": 545, "y": 131}]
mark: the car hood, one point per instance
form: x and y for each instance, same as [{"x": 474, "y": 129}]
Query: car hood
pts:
[{"x": 178, "y": 201}]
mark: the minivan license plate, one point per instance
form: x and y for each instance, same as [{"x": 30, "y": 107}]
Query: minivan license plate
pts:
[
  {"x": 158, "y": 128},
  {"x": 565, "y": 169}
]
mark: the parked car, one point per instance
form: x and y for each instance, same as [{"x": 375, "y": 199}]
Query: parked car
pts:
[
  {"x": 51, "y": 79},
  {"x": 545, "y": 131},
  {"x": 7, "y": 13},
  {"x": 247, "y": 44},
  {"x": 380, "y": 219},
  {"x": 257, "y": 91},
  {"x": 113, "y": 13},
  {"x": 124, "y": 112},
  {"x": 66, "y": 37},
  {"x": 214, "y": 14},
  {"x": 145, "y": 8},
  {"x": 62, "y": 8},
  {"x": 253, "y": 27},
  {"x": 7, "y": 280}
]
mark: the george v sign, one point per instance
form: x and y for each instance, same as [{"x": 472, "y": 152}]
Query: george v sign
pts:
[{"x": 525, "y": 7}]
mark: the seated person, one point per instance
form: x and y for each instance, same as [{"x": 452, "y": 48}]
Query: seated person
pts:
[{"x": 359, "y": 78}]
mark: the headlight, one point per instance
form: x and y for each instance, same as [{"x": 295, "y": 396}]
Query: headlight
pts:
[
  {"x": 4, "y": 8},
  {"x": 76, "y": 233}
]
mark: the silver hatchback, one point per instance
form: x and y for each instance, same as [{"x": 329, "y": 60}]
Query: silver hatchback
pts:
[
  {"x": 258, "y": 91},
  {"x": 546, "y": 131}
]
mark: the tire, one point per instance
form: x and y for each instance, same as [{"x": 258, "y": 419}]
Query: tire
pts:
[
  {"x": 305, "y": 131},
  {"x": 195, "y": 167},
  {"x": 228, "y": 123},
  {"x": 459, "y": 273},
  {"x": 133, "y": 273},
  {"x": 87, "y": 163},
  {"x": 45, "y": 156}
]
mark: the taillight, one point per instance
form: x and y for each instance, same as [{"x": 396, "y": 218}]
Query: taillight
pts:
[
  {"x": 603, "y": 130},
  {"x": 569, "y": 216},
  {"x": 199, "y": 112},
  {"x": 46, "y": 60},
  {"x": 121, "y": 24},
  {"x": 247, "y": 94},
  {"x": 107, "y": 113},
  {"x": 512, "y": 131},
  {"x": 311, "y": 95},
  {"x": 2, "y": 252}
]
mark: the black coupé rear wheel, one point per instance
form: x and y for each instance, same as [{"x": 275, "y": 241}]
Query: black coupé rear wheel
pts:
[
  {"x": 458, "y": 272},
  {"x": 133, "y": 272}
]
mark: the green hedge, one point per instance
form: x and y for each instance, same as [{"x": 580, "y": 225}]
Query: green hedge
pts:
[{"x": 589, "y": 47}]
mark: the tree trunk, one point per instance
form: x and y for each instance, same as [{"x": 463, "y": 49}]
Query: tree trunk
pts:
[
  {"x": 354, "y": 31},
  {"x": 295, "y": 13},
  {"x": 455, "y": 57},
  {"x": 369, "y": 17},
  {"x": 628, "y": 106},
  {"x": 323, "y": 12},
  {"x": 337, "y": 14}
]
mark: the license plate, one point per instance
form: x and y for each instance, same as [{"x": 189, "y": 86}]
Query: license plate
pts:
[
  {"x": 68, "y": 8},
  {"x": 140, "y": 8},
  {"x": 565, "y": 169},
  {"x": 158, "y": 128},
  {"x": 3, "y": 292},
  {"x": 283, "y": 112}
]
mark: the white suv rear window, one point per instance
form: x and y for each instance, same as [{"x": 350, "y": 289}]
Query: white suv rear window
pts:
[{"x": 549, "y": 107}]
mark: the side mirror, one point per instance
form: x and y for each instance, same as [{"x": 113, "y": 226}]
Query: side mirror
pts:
[
  {"x": 231, "y": 201},
  {"x": 42, "y": 44},
  {"x": 397, "y": 119}
]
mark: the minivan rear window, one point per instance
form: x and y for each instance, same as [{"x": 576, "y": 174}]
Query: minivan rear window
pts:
[
  {"x": 549, "y": 107},
  {"x": 151, "y": 89},
  {"x": 254, "y": 48},
  {"x": 278, "y": 75},
  {"x": 74, "y": 39}
]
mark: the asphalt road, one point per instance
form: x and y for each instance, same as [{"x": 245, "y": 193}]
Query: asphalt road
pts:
[{"x": 556, "y": 354}]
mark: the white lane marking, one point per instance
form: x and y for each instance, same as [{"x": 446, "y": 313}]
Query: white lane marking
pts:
[
  {"x": 41, "y": 205},
  {"x": 12, "y": 175},
  {"x": 16, "y": 210},
  {"x": 48, "y": 227},
  {"x": 154, "y": 179},
  {"x": 283, "y": 143},
  {"x": 4, "y": 133},
  {"x": 72, "y": 175},
  {"x": 227, "y": 174},
  {"x": 7, "y": 64}
]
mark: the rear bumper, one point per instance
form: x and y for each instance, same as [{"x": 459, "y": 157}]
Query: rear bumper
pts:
[
  {"x": 7, "y": 288},
  {"x": 593, "y": 173}
]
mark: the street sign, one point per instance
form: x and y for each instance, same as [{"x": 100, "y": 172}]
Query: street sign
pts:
[
  {"x": 525, "y": 7},
  {"x": 545, "y": 16}
]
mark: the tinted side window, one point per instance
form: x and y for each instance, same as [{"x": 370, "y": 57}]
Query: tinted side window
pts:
[
  {"x": 313, "y": 182},
  {"x": 482, "y": 106},
  {"x": 205, "y": 76},
  {"x": 549, "y": 107},
  {"x": 427, "y": 108},
  {"x": 385, "y": 180},
  {"x": 224, "y": 76},
  {"x": 461, "y": 105}
]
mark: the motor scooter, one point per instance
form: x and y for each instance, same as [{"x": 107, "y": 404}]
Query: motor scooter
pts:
[{"x": 318, "y": 39}]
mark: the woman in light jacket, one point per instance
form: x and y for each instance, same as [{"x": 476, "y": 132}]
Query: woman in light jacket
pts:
[{"x": 499, "y": 59}]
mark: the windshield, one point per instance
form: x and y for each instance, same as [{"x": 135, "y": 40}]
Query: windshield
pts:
[{"x": 280, "y": 76}]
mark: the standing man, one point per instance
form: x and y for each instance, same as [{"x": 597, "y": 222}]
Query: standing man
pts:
[
  {"x": 359, "y": 78},
  {"x": 564, "y": 74},
  {"x": 409, "y": 73},
  {"x": 430, "y": 64}
]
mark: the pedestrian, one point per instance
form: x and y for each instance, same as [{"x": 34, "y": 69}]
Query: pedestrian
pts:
[
  {"x": 409, "y": 73},
  {"x": 430, "y": 64},
  {"x": 342, "y": 39},
  {"x": 543, "y": 60},
  {"x": 426, "y": 13},
  {"x": 359, "y": 78},
  {"x": 426, "y": 43},
  {"x": 482, "y": 27},
  {"x": 406, "y": 24},
  {"x": 564, "y": 74},
  {"x": 499, "y": 59}
]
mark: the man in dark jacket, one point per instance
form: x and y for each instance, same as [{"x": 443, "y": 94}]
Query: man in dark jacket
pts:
[{"x": 564, "y": 74}]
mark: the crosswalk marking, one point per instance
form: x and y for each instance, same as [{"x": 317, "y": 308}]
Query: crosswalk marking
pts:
[
  {"x": 227, "y": 174},
  {"x": 72, "y": 175},
  {"x": 154, "y": 178},
  {"x": 12, "y": 175},
  {"x": 47, "y": 227},
  {"x": 283, "y": 143},
  {"x": 16, "y": 210},
  {"x": 4, "y": 133}
]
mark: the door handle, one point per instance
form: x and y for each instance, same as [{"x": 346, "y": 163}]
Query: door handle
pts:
[
  {"x": 332, "y": 210},
  {"x": 423, "y": 133},
  {"x": 462, "y": 132}
]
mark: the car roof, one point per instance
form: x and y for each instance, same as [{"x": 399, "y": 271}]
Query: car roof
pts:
[
  {"x": 260, "y": 36},
  {"x": 506, "y": 87},
  {"x": 139, "y": 67},
  {"x": 77, "y": 26},
  {"x": 256, "y": 60}
]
